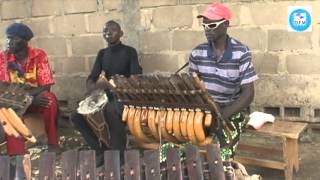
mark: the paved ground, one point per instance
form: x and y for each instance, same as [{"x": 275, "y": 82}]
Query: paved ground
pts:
[{"x": 309, "y": 163}]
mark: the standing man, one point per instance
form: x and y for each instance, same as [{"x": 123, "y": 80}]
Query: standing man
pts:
[
  {"x": 120, "y": 59},
  {"x": 20, "y": 63},
  {"x": 224, "y": 64}
]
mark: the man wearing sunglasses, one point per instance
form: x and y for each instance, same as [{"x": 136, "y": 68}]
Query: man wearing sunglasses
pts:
[{"x": 224, "y": 64}]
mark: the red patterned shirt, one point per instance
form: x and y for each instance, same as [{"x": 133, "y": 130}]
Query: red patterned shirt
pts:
[{"x": 35, "y": 71}]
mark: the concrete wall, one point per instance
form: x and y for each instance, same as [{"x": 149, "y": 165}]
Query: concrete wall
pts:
[{"x": 164, "y": 32}]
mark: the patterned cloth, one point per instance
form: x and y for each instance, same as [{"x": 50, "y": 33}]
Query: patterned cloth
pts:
[
  {"x": 164, "y": 149},
  {"x": 223, "y": 76},
  {"x": 238, "y": 121},
  {"x": 35, "y": 71}
]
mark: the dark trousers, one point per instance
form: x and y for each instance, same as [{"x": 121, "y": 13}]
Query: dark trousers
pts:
[{"x": 112, "y": 114}]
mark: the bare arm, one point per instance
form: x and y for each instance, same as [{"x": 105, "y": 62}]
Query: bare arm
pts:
[{"x": 246, "y": 97}]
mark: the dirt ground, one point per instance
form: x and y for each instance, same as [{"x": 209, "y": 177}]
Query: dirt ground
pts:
[{"x": 309, "y": 155}]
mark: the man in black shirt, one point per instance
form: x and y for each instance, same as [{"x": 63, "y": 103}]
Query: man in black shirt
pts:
[{"x": 120, "y": 59}]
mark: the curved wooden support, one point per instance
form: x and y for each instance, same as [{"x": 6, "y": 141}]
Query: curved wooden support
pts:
[
  {"x": 190, "y": 127},
  {"x": 162, "y": 123},
  {"x": 208, "y": 119},
  {"x": 144, "y": 116},
  {"x": 183, "y": 123},
  {"x": 138, "y": 132},
  {"x": 130, "y": 118},
  {"x": 198, "y": 126},
  {"x": 125, "y": 113},
  {"x": 152, "y": 124},
  {"x": 176, "y": 125},
  {"x": 169, "y": 121}
]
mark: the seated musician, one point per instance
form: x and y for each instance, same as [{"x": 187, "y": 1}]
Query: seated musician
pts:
[
  {"x": 224, "y": 64},
  {"x": 20, "y": 63},
  {"x": 120, "y": 59}
]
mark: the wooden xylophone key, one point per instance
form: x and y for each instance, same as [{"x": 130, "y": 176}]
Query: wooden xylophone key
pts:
[
  {"x": 169, "y": 89},
  {"x": 132, "y": 88},
  {"x": 126, "y": 88},
  {"x": 135, "y": 84},
  {"x": 165, "y": 91},
  {"x": 151, "y": 89},
  {"x": 176, "y": 84},
  {"x": 121, "y": 90},
  {"x": 185, "y": 87},
  {"x": 143, "y": 85},
  {"x": 187, "y": 79}
]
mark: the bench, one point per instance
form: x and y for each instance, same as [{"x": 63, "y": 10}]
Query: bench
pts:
[{"x": 288, "y": 133}]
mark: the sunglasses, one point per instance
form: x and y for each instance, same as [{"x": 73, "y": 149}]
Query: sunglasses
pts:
[{"x": 213, "y": 25}]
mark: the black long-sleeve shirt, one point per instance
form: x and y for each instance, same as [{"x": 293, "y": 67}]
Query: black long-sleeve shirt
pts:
[{"x": 119, "y": 59}]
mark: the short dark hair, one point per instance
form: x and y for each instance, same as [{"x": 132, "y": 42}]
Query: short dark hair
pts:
[{"x": 114, "y": 22}]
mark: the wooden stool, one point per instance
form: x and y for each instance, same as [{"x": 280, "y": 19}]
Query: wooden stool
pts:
[{"x": 289, "y": 133}]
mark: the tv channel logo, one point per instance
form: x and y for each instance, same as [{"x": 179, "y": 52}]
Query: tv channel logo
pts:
[{"x": 300, "y": 19}]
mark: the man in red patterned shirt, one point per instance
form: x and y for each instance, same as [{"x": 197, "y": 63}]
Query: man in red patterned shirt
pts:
[{"x": 20, "y": 63}]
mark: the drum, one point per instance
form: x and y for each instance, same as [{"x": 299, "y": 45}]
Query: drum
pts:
[{"x": 92, "y": 109}]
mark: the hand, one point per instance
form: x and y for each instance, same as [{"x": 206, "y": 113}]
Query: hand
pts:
[
  {"x": 41, "y": 100},
  {"x": 225, "y": 113}
]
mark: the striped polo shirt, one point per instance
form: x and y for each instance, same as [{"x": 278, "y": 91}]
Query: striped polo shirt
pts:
[{"x": 224, "y": 75}]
